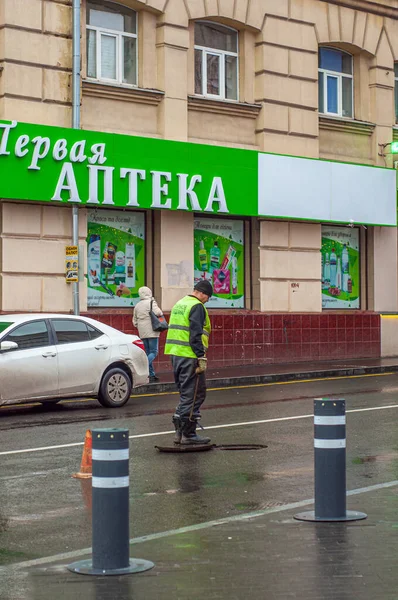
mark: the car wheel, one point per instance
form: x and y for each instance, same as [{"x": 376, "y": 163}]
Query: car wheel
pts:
[{"x": 115, "y": 388}]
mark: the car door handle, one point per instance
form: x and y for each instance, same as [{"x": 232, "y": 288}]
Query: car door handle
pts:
[
  {"x": 49, "y": 354},
  {"x": 101, "y": 347}
]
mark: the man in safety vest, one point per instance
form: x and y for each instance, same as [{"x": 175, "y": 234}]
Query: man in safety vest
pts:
[{"x": 187, "y": 342}]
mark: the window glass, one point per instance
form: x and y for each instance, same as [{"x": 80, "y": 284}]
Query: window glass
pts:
[
  {"x": 335, "y": 60},
  {"x": 332, "y": 101},
  {"x": 111, "y": 42},
  {"x": 129, "y": 62},
  {"x": 321, "y": 92},
  {"x": 211, "y": 35},
  {"x": 213, "y": 74},
  {"x": 29, "y": 335},
  {"x": 69, "y": 331},
  {"x": 198, "y": 72},
  {"x": 216, "y": 61},
  {"x": 108, "y": 57},
  {"x": 341, "y": 272},
  {"x": 94, "y": 333},
  {"x": 396, "y": 69},
  {"x": 107, "y": 15},
  {"x": 347, "y": 96},
  {"x": 231, "y": 77},
  {"x": 91, "y": 53},
  {"x": 106, "y": 20}
]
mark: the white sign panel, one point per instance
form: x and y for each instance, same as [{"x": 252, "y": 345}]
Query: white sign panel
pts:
[{"x": 302, "y": 188}]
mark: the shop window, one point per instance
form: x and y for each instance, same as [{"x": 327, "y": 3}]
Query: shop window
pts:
[
  {"x": 341, "y": 286},
  {"x": 111, "y": 43},
  {"x": 219, "y": 257},
  {"x": 115, "y": 257},
  {"x": 396, "y": 91},
  {"x": 216, "y": 61},
  {"x": 335, "y": 82}
]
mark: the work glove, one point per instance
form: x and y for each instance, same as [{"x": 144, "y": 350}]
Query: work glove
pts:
[{"x": 202, "y": 365}]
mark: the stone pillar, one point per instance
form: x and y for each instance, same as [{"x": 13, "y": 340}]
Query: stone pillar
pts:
[
  {"x": 383, "y": 270},
  {"x": 176, "y": 252},
  {"x": 290, "y": 267},
  {"x": 175, "y": 229}
]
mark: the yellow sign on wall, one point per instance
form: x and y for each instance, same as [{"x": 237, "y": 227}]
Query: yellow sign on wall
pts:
[{"x": 71, "y": 264}]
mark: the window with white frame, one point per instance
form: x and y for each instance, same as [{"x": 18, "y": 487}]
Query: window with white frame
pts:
[
  {"x": 111, "y": 43},
  {"x": 216, "y": 61},
  {"x": 396, "y": 90},
  {"x": 335, "y": 82}
]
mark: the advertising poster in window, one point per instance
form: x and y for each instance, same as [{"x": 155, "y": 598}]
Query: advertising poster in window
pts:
[
  {"x": 340, "y": 267},
  {"x": 115, "y": 257},
  {"x": 219, "y": 258}
]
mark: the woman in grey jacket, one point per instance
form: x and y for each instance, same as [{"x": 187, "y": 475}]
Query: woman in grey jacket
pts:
[{"x": 142, "y": 320}]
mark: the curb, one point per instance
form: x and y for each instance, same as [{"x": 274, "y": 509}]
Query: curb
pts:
[{"x": 220, "y": 382}]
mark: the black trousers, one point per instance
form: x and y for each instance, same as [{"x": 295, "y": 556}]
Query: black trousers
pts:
[{"x": 186, "y": 379}]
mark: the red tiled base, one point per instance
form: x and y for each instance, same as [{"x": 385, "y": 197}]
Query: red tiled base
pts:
[{"x": 245, "y": 337}]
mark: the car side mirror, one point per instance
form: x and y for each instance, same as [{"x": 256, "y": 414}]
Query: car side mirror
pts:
[{"x": 4, "y": 346}]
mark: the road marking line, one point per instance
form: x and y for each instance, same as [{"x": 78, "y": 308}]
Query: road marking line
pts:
[
  {"x": 224, "y": 426},
  {"x": 211, "y": 389},
  {"x": 66, "y": 556}
]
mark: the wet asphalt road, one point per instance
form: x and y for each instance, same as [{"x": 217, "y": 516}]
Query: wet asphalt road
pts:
[{"x": 44, "y": 512}]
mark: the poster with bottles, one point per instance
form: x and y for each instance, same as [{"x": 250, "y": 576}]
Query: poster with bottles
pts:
[
  {"x": 340, "y": 267},
  {"x": 219, "y": 258},
  {"x": 115, "y": 257}
]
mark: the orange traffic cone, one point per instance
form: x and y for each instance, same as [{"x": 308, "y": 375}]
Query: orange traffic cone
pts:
[{"x": 86, "y": 464}]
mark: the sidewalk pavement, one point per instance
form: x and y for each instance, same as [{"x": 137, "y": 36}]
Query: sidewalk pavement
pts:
[
  {"x": 248, "y": 374},
  {"x": 266, "y": 556}
]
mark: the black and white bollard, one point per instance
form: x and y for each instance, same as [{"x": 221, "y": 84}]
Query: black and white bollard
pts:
[
  {"x": 110, "y": 508},
  {"x": 330, "y": 464}
]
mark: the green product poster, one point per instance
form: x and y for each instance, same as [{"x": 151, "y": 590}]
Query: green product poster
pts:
[
  {"x": 115, "y": 257},
  {"x": 219, "y": 258},
  {"x": 340, "y": 267}
]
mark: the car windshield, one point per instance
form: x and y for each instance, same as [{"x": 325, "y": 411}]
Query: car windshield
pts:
[{"x": 5, "y": 324}]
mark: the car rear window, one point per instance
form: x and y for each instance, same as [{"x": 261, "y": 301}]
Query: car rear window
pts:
[{"x": 5, "y": 324}]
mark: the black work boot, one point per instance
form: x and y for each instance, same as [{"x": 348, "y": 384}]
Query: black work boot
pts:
[
  {"x": 178, "y": 427},
  {"x": 189, "y": 435}
]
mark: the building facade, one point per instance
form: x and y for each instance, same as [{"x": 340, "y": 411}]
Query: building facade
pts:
[{"x": 251, "y": 142}]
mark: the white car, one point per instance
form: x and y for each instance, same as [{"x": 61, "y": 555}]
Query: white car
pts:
[{"x": 46, "y": 357}]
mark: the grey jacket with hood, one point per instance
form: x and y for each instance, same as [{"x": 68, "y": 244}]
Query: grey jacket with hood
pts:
[{"x": 141, "y": 316}]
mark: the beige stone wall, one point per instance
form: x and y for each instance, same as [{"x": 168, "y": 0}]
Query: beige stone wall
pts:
[
  {"x": 32, "y": 259},
  {"x": 277, "y": 112},
  {"x": 290, "y": 266},
  {"x": 389, "y": 335}
]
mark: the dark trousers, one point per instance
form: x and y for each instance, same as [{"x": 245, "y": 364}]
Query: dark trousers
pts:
[{"x": 186, "y": 380}]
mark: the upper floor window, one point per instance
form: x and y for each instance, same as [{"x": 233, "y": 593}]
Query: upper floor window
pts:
[
  {"x": 216, "y": 61},
  {"x": 396, "y": 91},
  {"x": 111, "y": 42},
  {"x": 335, "y": 82}
]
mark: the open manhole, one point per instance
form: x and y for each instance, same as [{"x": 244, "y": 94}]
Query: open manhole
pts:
[{"x": 177, "y": 448}]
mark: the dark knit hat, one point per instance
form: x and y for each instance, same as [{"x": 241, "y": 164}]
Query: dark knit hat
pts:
[{"x": 205, "y": 287}]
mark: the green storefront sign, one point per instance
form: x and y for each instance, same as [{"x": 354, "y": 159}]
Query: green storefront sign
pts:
[{"x": 51, "y": 164}]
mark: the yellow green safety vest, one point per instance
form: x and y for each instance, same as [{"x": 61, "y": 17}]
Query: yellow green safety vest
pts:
[{"x": 177, "y": 341}]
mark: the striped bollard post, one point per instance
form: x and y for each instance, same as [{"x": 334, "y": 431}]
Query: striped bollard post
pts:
[
  {"x": 330, "y": 464},
  {"x": 110, "y": 508}
]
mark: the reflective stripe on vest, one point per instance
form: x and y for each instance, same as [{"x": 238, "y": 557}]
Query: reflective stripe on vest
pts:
[{"x": 177, "y": 341}]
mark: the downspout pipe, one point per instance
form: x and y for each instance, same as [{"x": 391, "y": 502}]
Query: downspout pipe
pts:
[{"x": 76, "y": 62}]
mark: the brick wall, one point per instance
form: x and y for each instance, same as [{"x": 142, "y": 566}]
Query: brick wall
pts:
[{"x": 246, "y": 338}]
